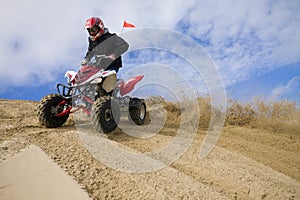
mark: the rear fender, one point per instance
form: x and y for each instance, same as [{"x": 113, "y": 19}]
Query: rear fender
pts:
[{"x": 128, "y": 86}]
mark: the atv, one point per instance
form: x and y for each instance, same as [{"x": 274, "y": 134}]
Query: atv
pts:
[{"x": 96, "y": 92}]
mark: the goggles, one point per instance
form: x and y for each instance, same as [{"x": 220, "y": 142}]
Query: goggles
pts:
[{"x": 93, "y": 30}]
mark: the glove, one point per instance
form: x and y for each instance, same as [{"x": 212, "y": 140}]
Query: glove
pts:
[
  {"x": 84, "y": 62},
  {"x": 112, "y": 56}
]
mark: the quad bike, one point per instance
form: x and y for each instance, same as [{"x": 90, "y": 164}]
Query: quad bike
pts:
[{"x": 98, "y": 93}]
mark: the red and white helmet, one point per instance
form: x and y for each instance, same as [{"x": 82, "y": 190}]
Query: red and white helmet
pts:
[{"x": 94, "y": 26}]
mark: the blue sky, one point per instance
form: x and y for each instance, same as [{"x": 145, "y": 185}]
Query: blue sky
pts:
[{"x": 254, "y": 44}]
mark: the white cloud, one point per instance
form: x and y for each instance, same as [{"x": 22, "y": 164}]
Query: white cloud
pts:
[
  {"x": 37, "y": 39},
  {"x": 245, "y": 37},
  {"x": 290, "y": 90}
]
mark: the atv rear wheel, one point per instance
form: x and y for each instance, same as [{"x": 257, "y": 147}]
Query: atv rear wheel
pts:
[
  {"x": 105, "y": 114},
  {"x": 137, "y": 111},
  {"x": 48, "y": 108}
]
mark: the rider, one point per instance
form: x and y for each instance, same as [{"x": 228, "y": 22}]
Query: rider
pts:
[{"x": 102, "y": 42}]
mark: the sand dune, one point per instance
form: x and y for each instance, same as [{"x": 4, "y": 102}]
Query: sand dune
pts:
[{"x": 54, "y": 163}]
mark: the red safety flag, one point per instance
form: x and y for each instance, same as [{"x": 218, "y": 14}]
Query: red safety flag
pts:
[{"x": 128, "y": 25}]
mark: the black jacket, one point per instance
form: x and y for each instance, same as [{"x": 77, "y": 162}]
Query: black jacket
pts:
[{"x": 107, "y": 44}]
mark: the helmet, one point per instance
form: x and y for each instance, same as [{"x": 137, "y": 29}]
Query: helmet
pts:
[{"x": 94, "y": 26}]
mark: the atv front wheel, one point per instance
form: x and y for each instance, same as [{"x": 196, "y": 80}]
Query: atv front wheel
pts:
[
  {"x": 105, "y": 114},
  {"x": 48, "y": 108}
]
